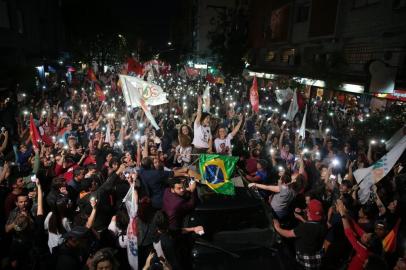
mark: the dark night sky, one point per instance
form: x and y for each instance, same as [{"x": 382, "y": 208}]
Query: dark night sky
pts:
[{"x": 150, "y": 20}]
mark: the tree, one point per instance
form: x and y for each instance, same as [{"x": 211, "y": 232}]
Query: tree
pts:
[{"x": 228, "y": 40}]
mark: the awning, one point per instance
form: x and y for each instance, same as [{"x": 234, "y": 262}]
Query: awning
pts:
[
  {"x": 346, "y": 87},
  {"x": 399, "y": 95}
]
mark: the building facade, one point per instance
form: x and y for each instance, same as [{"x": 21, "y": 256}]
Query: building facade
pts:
[
  {"x": 30, "y": 30},
  {"x": 359, "y": 43},
  {"x": 213, "y": 16}
]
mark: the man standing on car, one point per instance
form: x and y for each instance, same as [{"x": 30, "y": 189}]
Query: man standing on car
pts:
[
  {"x": 178, "y": 201},
  {"x": 308, "y": 236}
]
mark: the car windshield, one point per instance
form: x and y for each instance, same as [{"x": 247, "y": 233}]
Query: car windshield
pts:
[{"x": 219, "y": 213}]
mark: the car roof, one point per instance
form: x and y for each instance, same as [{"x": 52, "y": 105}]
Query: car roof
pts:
[{"x": 214, "y": 201}]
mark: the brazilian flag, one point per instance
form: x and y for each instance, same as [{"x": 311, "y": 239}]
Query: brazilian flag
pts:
[{"x": 217, "y": 170}]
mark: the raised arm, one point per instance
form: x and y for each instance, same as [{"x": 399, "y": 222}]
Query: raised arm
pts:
[
  {"x": 379, "y": 204},
  {"x": 90, "y": 220},
  {"x": 369, "y": 154},
  {"x": 281, "y": 140},
  {"x": 199, "y": 111},
  {"x": 297, "y": 143},
  {"x": 40, "y": 207},
  {"x": 350, "y": 171},
  {"x": 5, "y": 172},
  {"x": 238, "y": 126},
  {"x": 272, "y": 188},
  {"x": 145, "y": 150},
  {"x": 5, "y": 142},
  {"x": 101, "y": 141}
]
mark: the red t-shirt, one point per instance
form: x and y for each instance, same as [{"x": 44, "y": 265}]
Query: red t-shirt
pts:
[
  {"x": 361, "y": 252},
  {"x": 251, "y": 165},
  {"x": 89, "y": 160}
]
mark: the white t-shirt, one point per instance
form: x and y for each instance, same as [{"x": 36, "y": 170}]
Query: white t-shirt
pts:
[
  {"x": 122, "y": 240},
  {"x": 202, "y": 136},
  {"x": 223, "y": 146},
  {"x": 55, "y": 240}
]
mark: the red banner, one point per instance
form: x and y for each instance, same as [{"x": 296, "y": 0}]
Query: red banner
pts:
[
  {"x": 254, "y": 98},
  {"x": 134, "y": 66},
  {"x": 191, "y": 72},
  {"x": 91, "y": 76},
  {"x": 99, "y": 92},
  {"x": 35, "y": 137}
]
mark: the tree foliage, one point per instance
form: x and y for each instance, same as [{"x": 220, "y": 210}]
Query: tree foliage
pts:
[{"x": 228, "y": 39}]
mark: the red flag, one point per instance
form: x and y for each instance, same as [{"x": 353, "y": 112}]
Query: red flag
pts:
[
  {"x": 47, "y": 140},
  {"x": 300, "y": 101},
  {"x": 35, "y": 137},
  {"x": 254, "y": 98},
  {"x": 134, "y": 66},
  {"x": 91, "y": 76},
  {"x": 389, "y": 242},
  {"x": 191, "y": 72},
  {"x": 210, "y": 78},
  {"x": 164, "y": 68},
  {"x": 99, "y": 92}
]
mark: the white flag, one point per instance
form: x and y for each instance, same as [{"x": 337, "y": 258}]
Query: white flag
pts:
[
  {"x": 150, "y": 76},
  {"x": 283, "y": 95},
  {"x": 108, "y": 132},
  {"x": 395, "y": 138},
  {"x": 367, "y": 177},
  {"x": 139, "y": 93},
  {"x": 302, "y": 130},
  {"x": 293, "y": 108},
  {"x": 206, "y": 99},
  {"x": 130, "y": 201},
  {"x": 151, "y": 93}
]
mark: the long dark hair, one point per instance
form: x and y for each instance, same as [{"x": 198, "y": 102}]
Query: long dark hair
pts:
[
  {"x": 184, "y": 140},
  {"x": 145, "y": 210},
  {"x": 59, "y": 212}
]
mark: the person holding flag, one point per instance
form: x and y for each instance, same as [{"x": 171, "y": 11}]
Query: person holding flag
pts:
[
  {"x": 91, "y": 76},
  {"x": 254, "y": 97},
  {"x": 364, "y": 244}
]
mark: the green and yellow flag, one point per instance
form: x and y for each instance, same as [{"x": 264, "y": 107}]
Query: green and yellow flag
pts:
[{"x": 217, "y": 170}]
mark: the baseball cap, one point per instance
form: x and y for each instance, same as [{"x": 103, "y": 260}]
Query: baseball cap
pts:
[{"x": 315, "y": 210}]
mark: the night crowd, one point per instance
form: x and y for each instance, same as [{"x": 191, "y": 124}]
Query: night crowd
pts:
[{"x": 61, "y": 201}]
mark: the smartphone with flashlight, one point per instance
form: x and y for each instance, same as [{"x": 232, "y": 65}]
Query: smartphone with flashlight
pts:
[{"x": 34, "y": 178}]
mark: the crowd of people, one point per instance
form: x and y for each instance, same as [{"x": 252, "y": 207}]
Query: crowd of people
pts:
[{"x": 62, "y": 196}]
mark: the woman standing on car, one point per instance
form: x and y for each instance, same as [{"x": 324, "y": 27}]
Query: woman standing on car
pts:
[
  {"x": 202, "y": 140},
  {"x": 223, "y": 142}
]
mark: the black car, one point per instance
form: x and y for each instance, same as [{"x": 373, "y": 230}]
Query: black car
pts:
[{"x": 238, "y": 231}]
